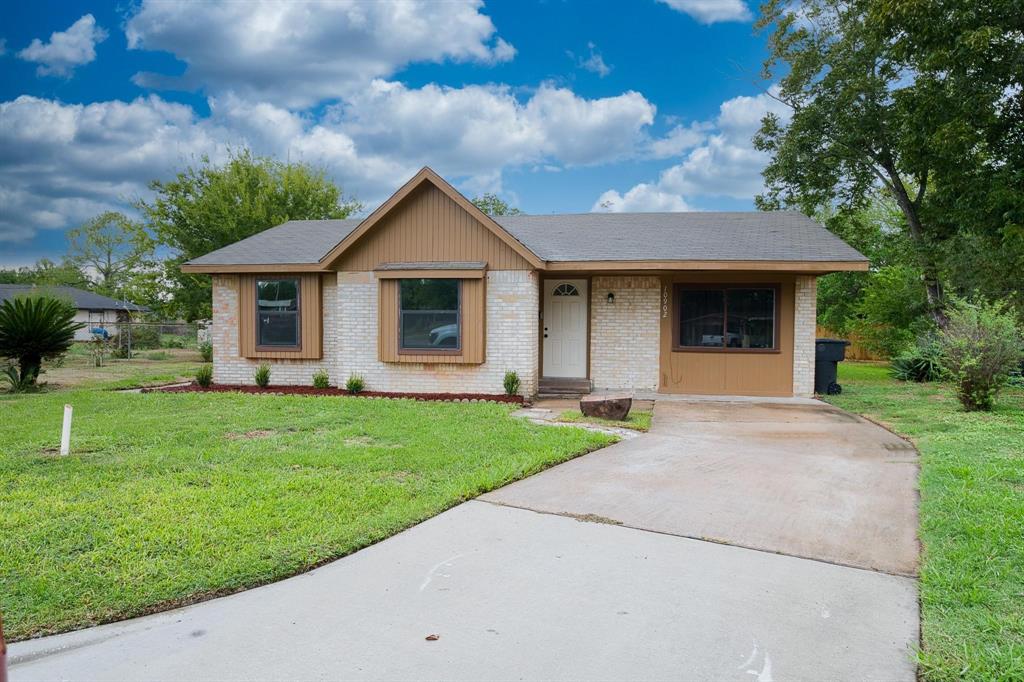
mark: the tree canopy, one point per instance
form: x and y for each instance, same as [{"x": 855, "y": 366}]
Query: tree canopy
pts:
[
  {"x": 208, "y": 206},
  {"x": 492, "y": 204},
  {"x": 114, "y": 247}
]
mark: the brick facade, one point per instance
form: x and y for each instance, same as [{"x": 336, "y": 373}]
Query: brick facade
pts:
[
  {"x": 230, "y": 368},
  {"x": 804, "y": 330},
  {"x": 625, "y": 335},
  {"x": 624, "y": 346},
  {"x": 511, "y": 338}
]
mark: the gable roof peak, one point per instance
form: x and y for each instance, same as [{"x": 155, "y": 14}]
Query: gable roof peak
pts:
[{"x": 427, "y": 174}]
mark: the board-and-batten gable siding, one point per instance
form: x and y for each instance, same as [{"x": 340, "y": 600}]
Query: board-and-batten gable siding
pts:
[
  {"x": 429, "y": 226},
  {"x": 472, "y": 308},
  {"x": 310, "y": 318}
]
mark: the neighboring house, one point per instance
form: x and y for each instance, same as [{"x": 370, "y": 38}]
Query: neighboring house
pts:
[
  {"x": 94, "y": 311},
  {"x": 429, "y": 294}
]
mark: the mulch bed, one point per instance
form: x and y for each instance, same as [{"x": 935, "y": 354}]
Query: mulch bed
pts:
[{"x": 309, "y": 390}]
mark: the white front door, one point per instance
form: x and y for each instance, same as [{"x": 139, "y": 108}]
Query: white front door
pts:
[{"x": 565, "y": 328}]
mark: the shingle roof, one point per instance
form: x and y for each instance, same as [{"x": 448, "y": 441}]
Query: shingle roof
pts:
[
  {"x": 700, "y": 236},
  {"x": 733, "y": 236},
  {"x": 82, "y": 299},
  {"x": 296, "y": 241}
]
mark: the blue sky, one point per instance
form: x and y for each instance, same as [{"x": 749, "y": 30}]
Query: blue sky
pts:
[{"x": 556, "y": 106}]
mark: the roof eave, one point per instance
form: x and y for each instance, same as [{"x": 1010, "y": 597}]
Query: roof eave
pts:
[
  {"x": 217, "y": 268},
  {"x": 800, "y": 266}
]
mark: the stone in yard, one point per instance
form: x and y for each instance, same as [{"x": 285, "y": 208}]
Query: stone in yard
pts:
[{"x": 614, "y": 406}]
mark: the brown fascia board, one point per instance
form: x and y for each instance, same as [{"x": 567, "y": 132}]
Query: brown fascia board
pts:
[{"x": 426, "y": 174}]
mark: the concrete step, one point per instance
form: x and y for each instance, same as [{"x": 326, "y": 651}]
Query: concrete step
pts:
[{"x": 563, "y": 387}]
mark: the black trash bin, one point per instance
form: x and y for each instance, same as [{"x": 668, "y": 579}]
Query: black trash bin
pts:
[{"x": 828, "y": 353}]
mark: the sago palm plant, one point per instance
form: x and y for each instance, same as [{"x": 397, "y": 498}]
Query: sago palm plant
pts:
[{"x": 32, "y": 329}]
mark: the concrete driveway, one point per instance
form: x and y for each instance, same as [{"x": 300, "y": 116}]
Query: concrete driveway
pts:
[{"x": 590, "y": 570}]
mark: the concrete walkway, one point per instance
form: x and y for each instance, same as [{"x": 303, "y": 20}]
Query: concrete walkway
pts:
[{"x": 554, "y": 588}]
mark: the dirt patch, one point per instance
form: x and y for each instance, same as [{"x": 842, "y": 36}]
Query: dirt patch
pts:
[
  {"x": 593, "y": 518},
  {"x": 250, "y": 435},
  {"x": 309, "y": 390}
]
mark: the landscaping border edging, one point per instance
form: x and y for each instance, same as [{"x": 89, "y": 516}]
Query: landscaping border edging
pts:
[{"x": 311, "y": 391}]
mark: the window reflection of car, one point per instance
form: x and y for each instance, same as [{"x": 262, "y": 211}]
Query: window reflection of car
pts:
[
  {"x": 734, "y": 340},
  {"x": 445, "y": 335}
]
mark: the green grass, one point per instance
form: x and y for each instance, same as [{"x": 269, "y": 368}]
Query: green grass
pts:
[
  {"x": 171, "y": 498},
  {"x": 972, "y": 519},
  {"x": 637, "y": 420},
  {"x": 148, "y": 368}
]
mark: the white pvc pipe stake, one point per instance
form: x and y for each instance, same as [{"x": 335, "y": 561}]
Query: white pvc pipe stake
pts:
[{"x": 65, "y": 434}]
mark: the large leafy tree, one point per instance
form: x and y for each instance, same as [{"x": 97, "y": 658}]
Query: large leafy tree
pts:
[
  {"x": 860, "y": 120},
  {"x": 208, "y": 206},
  {"x": 34, "y": 328},
  {"x": 974, "y": 54},
  {"x": 115, "y": 248}
]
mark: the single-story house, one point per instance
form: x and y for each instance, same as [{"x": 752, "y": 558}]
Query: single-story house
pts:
[
  {"x": 429, "y": 294},
  {"x": 94, "y": 311}
]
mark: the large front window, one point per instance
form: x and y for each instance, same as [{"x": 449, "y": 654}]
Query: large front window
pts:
[
  {"x": 277, "y": 313},
  {"x": 429, "y": 315},
  {"x": 726, "y": 318}
]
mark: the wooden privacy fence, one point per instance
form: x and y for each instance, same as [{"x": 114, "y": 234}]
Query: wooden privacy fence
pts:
[{"x": 855, "y": 351}]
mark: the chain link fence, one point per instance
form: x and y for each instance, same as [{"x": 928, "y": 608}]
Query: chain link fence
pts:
[{"x": 125, "y": 339}]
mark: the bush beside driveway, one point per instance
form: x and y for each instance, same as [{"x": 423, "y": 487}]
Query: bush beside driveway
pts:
[{"x": 169, "y": 499}]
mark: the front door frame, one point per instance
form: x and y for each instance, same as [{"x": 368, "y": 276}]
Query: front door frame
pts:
[{"x": 540, "y": 317}]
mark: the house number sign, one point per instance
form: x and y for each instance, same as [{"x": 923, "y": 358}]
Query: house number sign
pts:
[{"x": 664, "y": 301}]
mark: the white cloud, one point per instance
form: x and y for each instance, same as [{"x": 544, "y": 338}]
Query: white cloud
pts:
[
  {"x": 593, "y": 62},
  {"x": 66, "y": 49},
  {"x": 641, "y": 198},
  {"x": 301, "y": 53},
  {"x": 65, "y": 162},
  {"x": 724, "y": 164},
  {"x": 711, "y": 11},
  {"x": 679, "y": 139}
]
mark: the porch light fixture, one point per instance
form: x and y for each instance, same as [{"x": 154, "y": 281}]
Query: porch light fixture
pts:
[{"x": 611, "y": 298}]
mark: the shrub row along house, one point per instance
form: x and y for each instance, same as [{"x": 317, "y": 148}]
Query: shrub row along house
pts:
[{"x": 429, "y": 294}]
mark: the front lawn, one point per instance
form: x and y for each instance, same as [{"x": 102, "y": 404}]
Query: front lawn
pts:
[
  {"x": 972, "y": 519},
  {"x": 147, "y": 368},
  {"x": 172, "y": 498}
]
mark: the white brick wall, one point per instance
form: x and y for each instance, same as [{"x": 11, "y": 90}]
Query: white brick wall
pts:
[
  {"x": 625, "y": 335},
  {"x": 804, "y": 330},
  {"x": 512, "y": 305},
  {"x": 230, "y": 368}
]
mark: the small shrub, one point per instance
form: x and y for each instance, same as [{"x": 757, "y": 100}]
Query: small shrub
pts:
[
  {"x": 206, "y": 350},
  {"x": 321, "y": 379},
  {"x": 355, "y": 384},
  {"x": 144, "y": 336},
  {"x": 17, "y": 384},
  {"x": 173, "y": 341},
  {"x": 921, "y": 363},
  {"x": 100, "y": 349},
  {"x": 512, "y": 382},
  {"x": 262, "y": 375},
  {"x": 204, "y": 375},
  {"x": 158, "y": 355},
  {"x": 981, "y": 346}
]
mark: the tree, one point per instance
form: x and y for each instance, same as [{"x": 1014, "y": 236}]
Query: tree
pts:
[
  {"x": 861, "y": 119},
  {"x": 492, "y": 205},
  {"x": 112, "y": 246},
  {"x": 47, "y": 273},
  {"x": 35, "y": 328},
  {"x": 972, "y": 51},
  {"x": 208, "y": 206}
]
